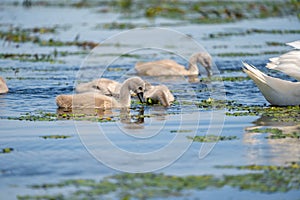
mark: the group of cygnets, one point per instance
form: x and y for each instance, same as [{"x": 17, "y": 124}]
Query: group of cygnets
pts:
[{"x": 105, "y": 93}]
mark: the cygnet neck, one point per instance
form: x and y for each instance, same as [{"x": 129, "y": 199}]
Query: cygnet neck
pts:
[
  {"x": 125, "y": 97},
  {"x": 193, "y": 68}
]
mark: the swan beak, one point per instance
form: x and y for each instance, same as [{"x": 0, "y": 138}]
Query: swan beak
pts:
[{"x": 141, "y": 97}]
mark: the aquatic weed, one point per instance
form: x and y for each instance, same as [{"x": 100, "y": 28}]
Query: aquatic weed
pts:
[
  {"x": 7, "y": 150},
  {"x": 267, "y": 179},
  {"x": 276, "y": 133},
  {"x": 55, "y": 136},
  {"x": 211, "y": 138}
]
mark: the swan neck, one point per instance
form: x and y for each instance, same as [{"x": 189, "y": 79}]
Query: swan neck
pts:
[
  {"x": 193, "y": 68},
  {"x": 125, "y": 97}
]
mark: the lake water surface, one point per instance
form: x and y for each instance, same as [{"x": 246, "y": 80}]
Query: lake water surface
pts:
[{"x": 149, "y": 138}]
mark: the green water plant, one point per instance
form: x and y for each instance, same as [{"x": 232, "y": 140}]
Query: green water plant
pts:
[
  {"x": 36, "y": 116},
  {"x": 55, "y": 136},
  {"x": 6, "y": 150},
  {"x": 276, "y": 133},
  {"x": 211, "y": 138},
  {"x": 181, "y": 131},
  {"x": 265, "y": 179}
]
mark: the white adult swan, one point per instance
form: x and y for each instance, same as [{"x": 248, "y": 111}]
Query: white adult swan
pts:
[
  {"x": 288, "y": 63},
  {"x": 158, "y": 93},
  {"x": 276, "y": 91},
  {"x": 102, "y": 85},
  {"x": 3, "y": 86},
  {"x": 96, "y": 100},
  {"x": 172, "y": 68}
]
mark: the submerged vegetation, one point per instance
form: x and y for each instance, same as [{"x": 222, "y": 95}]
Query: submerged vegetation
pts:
[
  {"x": 19, "y": 35},
  {"x": 276, "y": 133},
  {"x": 266, "y": 179},
  {"x": 276, "y": 113},
  {"x": 254, "y": 31},
  {"x": 6, "y": 150},
  {"x": 211, "y": 138},
  {"x": 192, "y": 11},
  {"x": 48, "y": 116},
  {"x": 55, "y": 136}
]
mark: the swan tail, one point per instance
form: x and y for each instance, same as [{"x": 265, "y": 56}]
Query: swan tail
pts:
[
  {"x": 139, "y": 64},
  {"x": 163, "y": 99},
  {"x": 256, "y": 75},
  {"x": 271, "y": 65},
  {"x": 64, "y": 101},
  {"x": 295, "y": 44}
]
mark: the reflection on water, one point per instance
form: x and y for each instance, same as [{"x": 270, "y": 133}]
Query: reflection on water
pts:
[
  {"x": 266, "y": 120},
  {"x": 272, "y": 151},
  {"x": 83, "y": 111},
  {"x": 132, "y": 121}
]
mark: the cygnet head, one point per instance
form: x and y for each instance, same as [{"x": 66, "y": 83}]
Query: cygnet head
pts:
[
  {"x": 137, "y": 85},
  {"x": 204, "y": 59}
]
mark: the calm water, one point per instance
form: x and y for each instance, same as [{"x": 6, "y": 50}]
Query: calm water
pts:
[{"x": 149, "y": 145}]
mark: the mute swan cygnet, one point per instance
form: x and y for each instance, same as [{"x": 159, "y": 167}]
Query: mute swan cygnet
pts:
[
  {"x": 276, "y": 91},
  {"x": 96, "y": 100},
  {"x": 155, "y": 94},
  {"x": 172, "y": 68},
  {"x": 159, "y": 93},
  {"x": 288, "y": 63},
  {"x": 3, "y": 86},
  {"x": 103, "y": 86}
]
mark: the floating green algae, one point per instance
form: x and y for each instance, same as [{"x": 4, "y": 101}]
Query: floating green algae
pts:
[
  {"x": 227, "y": 79},
  {"x": 253, "y": 31},
  {"x": 116, "y": 25},
  {"x": 188, "y": 11},
  {"x": 19, "y": 35},
  {"x": 48, "y": 116},
  {"x": 275, "y": 113},
  {"x": 216, "y": 11},
  {"x": 181, "y": 131},
  {"x": 245, "y": 54},
  {"x": 276, "y": 133},
  {"x": 211, "y": 138},
  {"x": 40, "y": 57},
  {"x": 36, "y": 116},
  {"x": 55, "y": 136},
  {"x": 28, "y": 57},
  {"x": 265, "y": 179},
  {"x": 6, "y": 150}
]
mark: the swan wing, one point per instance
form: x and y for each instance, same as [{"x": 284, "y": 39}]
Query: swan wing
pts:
[
  {"x": 160, "y": 68},
  {"x": 86, "y": 100},
  {"x": 295, "y": 44},
  {"x": 275, "y": 90},
  {"x": 160, "y": 93},
  {"x": 108, "y": 87},
  {"x": 288, "y": 63},
  {"x": 3, "y": 86}
]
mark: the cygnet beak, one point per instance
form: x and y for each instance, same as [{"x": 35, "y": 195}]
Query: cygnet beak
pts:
[{"x": 141, "y": 97}]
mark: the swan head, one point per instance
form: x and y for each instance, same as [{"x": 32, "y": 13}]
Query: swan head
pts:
[
  {"x": 138, "y": 86},
  {"x": 204, "y": 59}
]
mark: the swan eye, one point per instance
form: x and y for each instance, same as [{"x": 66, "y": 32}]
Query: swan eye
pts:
[{"x": 140, "y": 88}]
